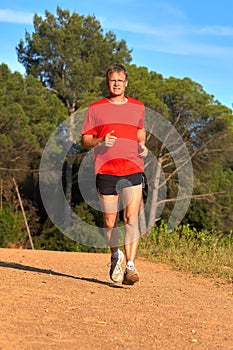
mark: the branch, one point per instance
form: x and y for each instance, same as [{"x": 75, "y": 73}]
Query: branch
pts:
[
  {"x": 193, "y": 196},
  {"x": 20, "y": 169},
  {"x": 53, "y": 90}
]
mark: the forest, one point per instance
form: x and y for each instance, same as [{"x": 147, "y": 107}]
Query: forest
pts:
[{"x": 189, "y": 171}]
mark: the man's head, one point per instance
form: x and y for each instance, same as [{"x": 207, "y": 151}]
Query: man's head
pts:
[
  {"x": 116, "y": 68},
  {"x": 117, "y": 79}
]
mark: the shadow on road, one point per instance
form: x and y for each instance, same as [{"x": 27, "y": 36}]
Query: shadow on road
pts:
[{"x": 54, "y": 273}]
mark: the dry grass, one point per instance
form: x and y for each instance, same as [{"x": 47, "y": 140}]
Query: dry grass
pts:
[{"x": 185, "y": 249}]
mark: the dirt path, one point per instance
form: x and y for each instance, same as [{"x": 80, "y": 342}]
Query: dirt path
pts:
[{"x": 58, "y": 300}]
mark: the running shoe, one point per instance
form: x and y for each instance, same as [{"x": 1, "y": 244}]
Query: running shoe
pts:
[
  {"x": 116, "y": 272},
  {"x": 130, "y": 277}
]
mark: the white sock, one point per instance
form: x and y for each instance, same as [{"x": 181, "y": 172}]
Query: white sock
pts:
[{"x": 130, "y": 265}]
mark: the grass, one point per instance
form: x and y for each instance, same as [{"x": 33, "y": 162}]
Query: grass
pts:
[{"x": 186, "y": 249}]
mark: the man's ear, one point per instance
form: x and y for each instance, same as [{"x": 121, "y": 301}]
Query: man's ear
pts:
[{"x": 126, "y": 83}]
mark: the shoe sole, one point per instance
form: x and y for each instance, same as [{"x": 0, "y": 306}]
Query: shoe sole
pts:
[{"x": 133, "y": 279}]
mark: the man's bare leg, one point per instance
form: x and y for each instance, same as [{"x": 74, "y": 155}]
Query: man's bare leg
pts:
[
  {"x": 109, "y": 205},
  {"x": 132, "y": 197}
]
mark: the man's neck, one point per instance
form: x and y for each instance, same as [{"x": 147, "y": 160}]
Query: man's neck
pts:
[{"x": 118, "y": 99}]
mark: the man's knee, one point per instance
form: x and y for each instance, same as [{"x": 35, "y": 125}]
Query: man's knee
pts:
[
  {"x": 130, "y": 219},
  {"x": 109, "y": 223}
]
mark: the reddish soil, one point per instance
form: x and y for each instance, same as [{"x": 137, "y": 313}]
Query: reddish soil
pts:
[{"x": 58, "y": 300}]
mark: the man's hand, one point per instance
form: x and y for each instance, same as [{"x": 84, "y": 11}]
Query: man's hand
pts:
[
  {"x": 143, "y": 151},
  {"x": 109, "y": 139}
]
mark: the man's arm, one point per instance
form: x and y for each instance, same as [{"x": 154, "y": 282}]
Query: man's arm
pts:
[
  {"x": 88, "y": 141},
  {"x": 143, "y": 150},
  {"x": 141, "y": 136}
]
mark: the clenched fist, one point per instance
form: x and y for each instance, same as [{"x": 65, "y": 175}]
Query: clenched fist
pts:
[
  {"x": 143, "y": 151},
  {"x": 109, "y": 139}
]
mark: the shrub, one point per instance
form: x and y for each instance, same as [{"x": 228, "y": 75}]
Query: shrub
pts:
[
  {"x": 204, "y": 252},
  {"x": 12, "y": 229}
]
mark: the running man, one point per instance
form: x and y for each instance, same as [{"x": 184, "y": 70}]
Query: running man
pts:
[{"x": 114, "y": 127}]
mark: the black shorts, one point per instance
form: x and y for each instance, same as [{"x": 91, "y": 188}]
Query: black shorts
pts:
[{"x": 111, "y": 184}]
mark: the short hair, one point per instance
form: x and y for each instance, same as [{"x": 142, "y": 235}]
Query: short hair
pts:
[{"x": 115, "y": 67}]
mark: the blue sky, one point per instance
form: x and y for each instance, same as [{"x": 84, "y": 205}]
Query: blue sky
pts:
[{"x": 178, "y": 38}]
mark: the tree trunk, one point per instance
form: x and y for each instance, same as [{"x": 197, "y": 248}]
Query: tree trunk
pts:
[
  {"x": 69, "y": 170},
  {"x": 70, "y": 161},
  {"x": 24, "y": 215},
  {"x": 154, "y": 199}
]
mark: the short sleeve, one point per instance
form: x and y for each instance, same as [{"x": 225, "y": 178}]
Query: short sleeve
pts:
[{"x": 89, "y": 123}]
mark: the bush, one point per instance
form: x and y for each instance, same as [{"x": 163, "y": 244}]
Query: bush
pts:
[
  {"x": 12, "y": 229},
  {"x": 188, "y": 249}
]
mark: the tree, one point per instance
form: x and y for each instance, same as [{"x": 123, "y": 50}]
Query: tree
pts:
[
  {"x": 205, "y": 127},
  {"x": 213, "y": 213},
  {"x": 16, "y": 139},
  {"x": 147, "y": 86},
  {"x": 28, "y": 116},
  {"x": 69, "y": 54}
]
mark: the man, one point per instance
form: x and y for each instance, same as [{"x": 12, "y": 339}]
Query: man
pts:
[{"x": 114, "y": 126}]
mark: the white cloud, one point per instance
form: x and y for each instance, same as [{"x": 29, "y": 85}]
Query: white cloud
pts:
[
  {"x": 170, "y": 11},
  {"x": 187, "y": 48},
  {"x": 167, "y": 30},
  {"x": 177, "y": 39},
  {"x": 216, "y": 31},
  {"x": 19, "y": 17}
]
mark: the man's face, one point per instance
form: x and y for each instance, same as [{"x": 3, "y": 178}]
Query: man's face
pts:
[{"x": 117, "y": 84}]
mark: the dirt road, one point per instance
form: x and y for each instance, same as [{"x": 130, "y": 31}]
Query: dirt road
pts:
[{"x": 57, "y": 300}]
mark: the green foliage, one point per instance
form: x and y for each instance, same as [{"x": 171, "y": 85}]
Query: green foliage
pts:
[
  {"x": 67, "y": 52},
  {"x": 28, "y": 113},
  {"x": 16, "y": 135},
  {"x": 12, "y": 229},
  {"x": 51, "y": 238},
  {"x": 43, "y": 109},
  {"x": 147, "y": 87},
  {"x": 213, "y": 212},
  {"x": 189, "y": 249},
  {"x": 82, "y": 238},
  {"x": 86, "y": 230}
]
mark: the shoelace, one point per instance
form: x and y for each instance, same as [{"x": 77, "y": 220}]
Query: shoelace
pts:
[
  {"x": 117, "y": 268},
  {"x": 117, "y": 265}
]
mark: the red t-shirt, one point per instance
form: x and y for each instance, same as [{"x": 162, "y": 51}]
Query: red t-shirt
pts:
[{"x": 101, "y": 118}]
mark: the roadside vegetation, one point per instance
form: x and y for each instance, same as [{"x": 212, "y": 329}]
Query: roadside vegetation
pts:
[{"x": 186, "y": 249}]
